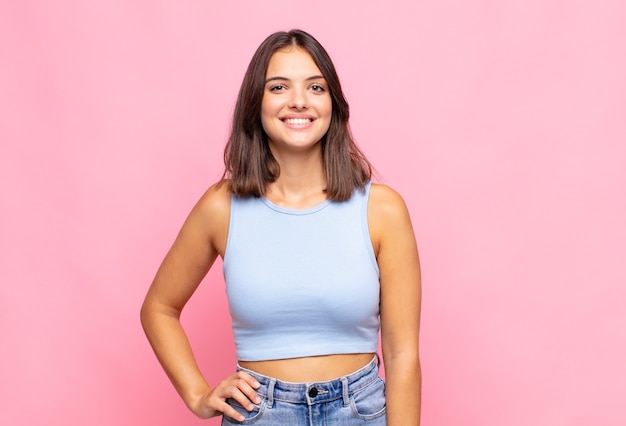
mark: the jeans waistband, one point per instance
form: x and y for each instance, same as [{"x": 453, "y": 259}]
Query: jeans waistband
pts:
[{"x": 315, "y": 392}]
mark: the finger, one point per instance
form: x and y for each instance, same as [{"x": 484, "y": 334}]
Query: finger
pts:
[
  {"x": 229, "y": 411},
  {"x": 248, "y": 385},
  {"x": 244, "y": 394},
  {"x": 248, "y": 378}
]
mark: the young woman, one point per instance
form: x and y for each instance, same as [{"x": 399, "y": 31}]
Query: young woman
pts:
[{"x": 317, "y": 260}]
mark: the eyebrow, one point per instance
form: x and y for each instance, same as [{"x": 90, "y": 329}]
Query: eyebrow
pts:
[{"x": 313, "y": 77}]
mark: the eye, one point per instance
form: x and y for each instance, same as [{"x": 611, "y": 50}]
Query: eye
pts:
[
  {"x": 276, "y": 88},
  {"x": 318, "y": 88}
]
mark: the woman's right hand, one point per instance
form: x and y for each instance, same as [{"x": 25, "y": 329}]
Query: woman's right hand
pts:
[{"x": 240, "y": 386}]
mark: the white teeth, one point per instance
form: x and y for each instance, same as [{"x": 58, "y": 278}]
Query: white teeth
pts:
[{"x": 297, "y": 120}]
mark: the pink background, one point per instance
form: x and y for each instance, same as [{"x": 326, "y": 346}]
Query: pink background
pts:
[{"x": 502, "y": 123}]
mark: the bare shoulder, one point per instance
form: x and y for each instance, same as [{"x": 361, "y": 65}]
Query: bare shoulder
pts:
[
  {"x": 388, "y": 217},
  {"x": 215, "y": 202},
  {"x": 386, "y": 204},
  {"x": 210, "y": 217}
]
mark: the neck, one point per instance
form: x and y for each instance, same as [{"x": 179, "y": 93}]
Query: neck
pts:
[{"x": 301, "y": 182}]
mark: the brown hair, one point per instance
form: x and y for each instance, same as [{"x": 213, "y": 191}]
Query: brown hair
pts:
[{"x": 249, "y": 162}]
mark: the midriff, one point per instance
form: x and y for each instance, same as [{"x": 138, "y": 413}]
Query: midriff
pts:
[{"x": 309, "y": 369}]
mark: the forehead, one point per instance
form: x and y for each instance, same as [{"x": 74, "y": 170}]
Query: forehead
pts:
[{"x": 292, "y": 62}]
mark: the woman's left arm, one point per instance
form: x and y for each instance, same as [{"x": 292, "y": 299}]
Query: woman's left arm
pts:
[{"x": 400, "y": 300}]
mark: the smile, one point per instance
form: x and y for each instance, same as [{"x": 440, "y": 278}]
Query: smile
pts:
[{"x": 297, "y": 121}]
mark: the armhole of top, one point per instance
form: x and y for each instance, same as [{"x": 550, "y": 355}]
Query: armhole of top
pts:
[
  {"x": 365, "y": 227},
  {"x": 230, "y": 234}
]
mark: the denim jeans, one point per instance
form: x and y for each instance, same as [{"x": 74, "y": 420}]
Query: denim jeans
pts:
[{"x": 355, "y": 399}]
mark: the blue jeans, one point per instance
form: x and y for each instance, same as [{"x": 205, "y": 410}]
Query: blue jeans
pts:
[{"x": 355, "y": 399}]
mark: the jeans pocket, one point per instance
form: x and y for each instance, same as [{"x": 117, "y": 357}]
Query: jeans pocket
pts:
[
  {"x": 249, "y": 416},
  {"x": 370, "y": 402}
]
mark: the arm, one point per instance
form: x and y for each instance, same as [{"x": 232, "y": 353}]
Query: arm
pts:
[
  {"x": 202, "y": 237},
  {"x": 400, "y": 299}
]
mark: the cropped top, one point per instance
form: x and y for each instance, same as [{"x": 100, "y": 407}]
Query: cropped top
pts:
[{"x": 301, "y": 282}]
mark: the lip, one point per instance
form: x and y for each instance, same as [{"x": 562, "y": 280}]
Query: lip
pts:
[{"x": 297, "y": 121}]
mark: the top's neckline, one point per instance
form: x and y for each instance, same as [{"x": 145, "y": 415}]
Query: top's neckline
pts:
[{"x": 286, "y": 210}]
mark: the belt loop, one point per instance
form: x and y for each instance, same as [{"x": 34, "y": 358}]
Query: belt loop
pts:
[
  {"x": 270, "y": 393},
  {"x": 346, "y": 395}
]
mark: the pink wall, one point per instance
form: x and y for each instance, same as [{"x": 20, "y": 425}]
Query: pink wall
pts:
[{"x": 502, "y": 123}]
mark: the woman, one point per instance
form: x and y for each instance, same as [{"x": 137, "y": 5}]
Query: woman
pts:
[{"x": 316, "y": 260}]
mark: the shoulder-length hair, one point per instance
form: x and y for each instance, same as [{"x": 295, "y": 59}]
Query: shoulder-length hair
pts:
[{"x": 249, "y": 163}]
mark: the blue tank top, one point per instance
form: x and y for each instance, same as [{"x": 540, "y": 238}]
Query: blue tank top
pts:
[{"x": 301, "y": 282}]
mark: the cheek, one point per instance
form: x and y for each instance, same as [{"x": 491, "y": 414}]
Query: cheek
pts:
[
  {"x": 327, "y": 107},
  {"x": 265, "y": 124},
  {"x": 266, "y": 114},
  {"x": 329, "y": 120},
  {"x": 325, "y": 110}
]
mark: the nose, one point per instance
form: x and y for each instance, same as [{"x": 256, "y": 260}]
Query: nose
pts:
[{"x": 298, "y": 99}]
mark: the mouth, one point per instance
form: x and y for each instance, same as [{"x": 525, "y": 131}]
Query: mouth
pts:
[{"x": 297, "y": 121}]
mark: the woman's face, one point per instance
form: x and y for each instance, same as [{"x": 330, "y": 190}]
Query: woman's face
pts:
[{"x": 296, "y": 108}]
